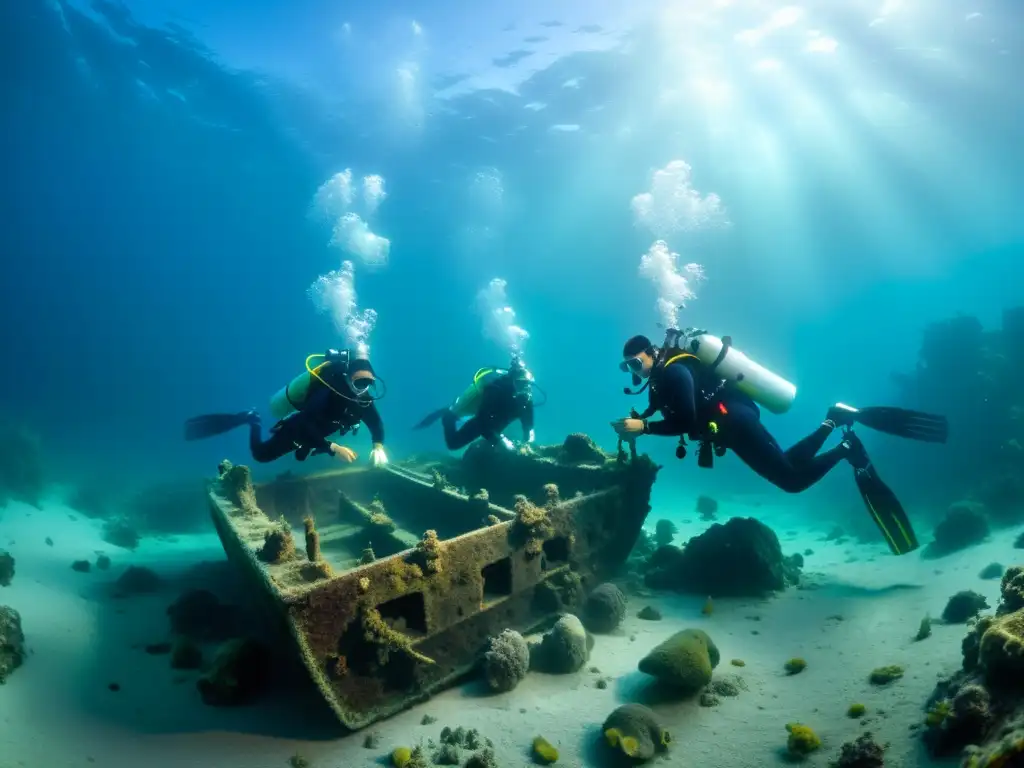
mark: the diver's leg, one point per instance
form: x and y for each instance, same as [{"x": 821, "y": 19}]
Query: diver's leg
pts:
[
  {"x": 805, "y": 449},
  {"x": 747, "y": 437},
  {"x": 274, "y": 447},
  {"x": 456, "y": 437}
]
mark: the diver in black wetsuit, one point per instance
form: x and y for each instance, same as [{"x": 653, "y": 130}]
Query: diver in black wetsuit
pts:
[
  {"x": 691, "y": 399},
  {"x": 494, "y": 400},
  {"x": 334, "y": 397}
]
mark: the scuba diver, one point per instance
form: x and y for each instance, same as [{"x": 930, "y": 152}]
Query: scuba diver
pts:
[
  {"x": 706, "y": 389},
  {"x": 494, "y": 400},
  {"x": 334, "y": 396}
]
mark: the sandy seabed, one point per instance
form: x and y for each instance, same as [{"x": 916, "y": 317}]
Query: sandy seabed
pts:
[{"x": 860, "y": 608}]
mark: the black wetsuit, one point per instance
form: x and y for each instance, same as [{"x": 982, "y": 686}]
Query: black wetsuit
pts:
[
  {"x": 686, "y": 410},
  {"x": 500, "y": 405},
  {"x": 306, "y": 430}
]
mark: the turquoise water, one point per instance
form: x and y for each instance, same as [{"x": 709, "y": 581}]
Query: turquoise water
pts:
[{"x": 200, "y": 195}]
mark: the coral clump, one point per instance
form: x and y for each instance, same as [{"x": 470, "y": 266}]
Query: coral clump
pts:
[
  {"x": 664, "y": 532},
  {"x": 564, "y": 649},
  {"x": 862, "y": 753},
  {"x": 400, "y": 573},
  {"x": 1007, "y": 752},
  {"x": 388, "y": 640},
  {"x": 483, "y": 759},
  {"x": 379, "y": 519},
  {"x": 429, "y": 550},
  {"x": 707, "y": 508},
  {"x": 938, "y": 713},
  {"x": 963, "y": 606},
  {"x": 634, "y": 731},
  {"x": 992, "y": 571},
  {"x": 795, "y": 666},
  {"x": 321, "y": 569},
  {"x": 684, "y": 662},
  {"x": 964, "y": 525},
  {"x": 278, "y": 544},
  {"x": 740, "y": 558},
  {"x": 543, "y": 751},
  {"x": 6, "y": 568},
  {"x": 924, "y": 629},
  {"x": 802, "y": 740},
  {"x": 532, "y": 525},
  {"x": 552, "y": 497},
  {"x": 506, "y": 661},
  {"x": 236, "y": 486},
  {"x": 312, "y": 539},
  {"x": 649, "y": 613},
  {"x": 885, "y": 675},
  {"x": 856, "y": 710},
  {"x": 401, "y": 757},
  {"x": 12, "y": 642},
  {"x": 580, "y": 448},
  {"x": 1011, "y": 590},
  {"x": 604, "y": 609},
  {"x": 1001, "y": 649},
  {"x": 439, "y": 481}
]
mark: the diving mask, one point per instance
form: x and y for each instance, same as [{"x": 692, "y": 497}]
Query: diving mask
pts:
[{"x": 633, "y": 365}]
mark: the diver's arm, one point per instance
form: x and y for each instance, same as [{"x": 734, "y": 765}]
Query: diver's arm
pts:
[
  {"x": 678, "y": 393},
  {"x": 371, "y": 418}
]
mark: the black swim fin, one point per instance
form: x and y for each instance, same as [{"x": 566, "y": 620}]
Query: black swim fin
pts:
[
  {"x": 201, "y": 427},
  {"x": 431, "y": 418},
  {"x": 887, "y": 512},
  {"x": 901, "y": 422}
]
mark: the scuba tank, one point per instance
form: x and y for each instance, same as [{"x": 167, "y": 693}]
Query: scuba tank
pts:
[
  {"x": 292, "y": 396},
  {"x": 732, "y": 366}
]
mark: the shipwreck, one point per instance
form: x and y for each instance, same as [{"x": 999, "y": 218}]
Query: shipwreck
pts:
[{"x": 390, "y": 581}]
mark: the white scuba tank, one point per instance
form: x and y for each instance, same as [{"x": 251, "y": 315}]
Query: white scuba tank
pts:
[{"x": 757, "y": 382}]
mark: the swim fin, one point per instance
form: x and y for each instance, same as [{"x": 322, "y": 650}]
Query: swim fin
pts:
[
  {"x": 431, "y": 418},
  {"x": 887, "y": 512},
  {"x": 201, "y": 427},
  {"x": 901, "y": 422}
]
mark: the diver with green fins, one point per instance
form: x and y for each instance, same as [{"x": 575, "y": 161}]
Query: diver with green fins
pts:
[
  {"x": 494, "y": 399},
  {"x": 336, "y": 393},
  {"x": 709, "y": 391}
]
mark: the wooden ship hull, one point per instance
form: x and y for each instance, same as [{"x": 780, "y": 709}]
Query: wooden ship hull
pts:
[{"x": 390, "y": 581}]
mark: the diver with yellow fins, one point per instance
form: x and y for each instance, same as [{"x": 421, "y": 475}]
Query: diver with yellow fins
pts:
[
  {"x": 708, "y": 390},
  {"x": 335, "y": 393},
  {"x": 495, "y": 399}
]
